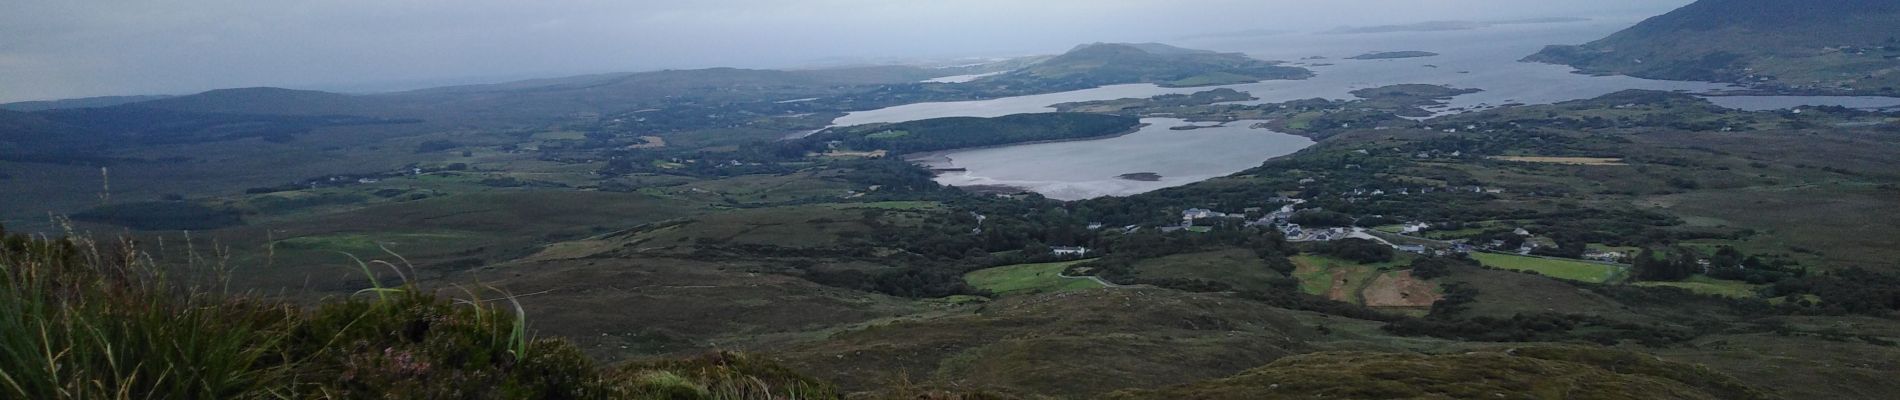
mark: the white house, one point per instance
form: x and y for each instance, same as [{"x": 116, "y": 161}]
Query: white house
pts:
[
  {"x": 1199, "y": 213},
  {"x": 1069, "y": 251}
]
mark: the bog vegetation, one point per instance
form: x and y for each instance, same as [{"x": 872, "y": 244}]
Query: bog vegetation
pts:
[{"x": 81, "y": 319}]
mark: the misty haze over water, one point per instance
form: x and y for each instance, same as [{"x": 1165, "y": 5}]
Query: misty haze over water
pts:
[{"x": 86, "y": 48}]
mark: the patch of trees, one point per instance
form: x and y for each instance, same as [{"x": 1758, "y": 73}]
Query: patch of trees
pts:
[
  {"x": 1853, "y": 290},
  {"x": 1456, "y": 300},
  {"x": 890, "y": 175},
  {"x": 1357, "y": 250},
  {"x": 1727, "y": 263},
  {"x": 1435, "y": 267},
  {"x": 1567, "y": 247},
  {"x": 1321, "y": 219},
  {"x": 162, "y": 216},
  {"x": 1677, "y": 265}
]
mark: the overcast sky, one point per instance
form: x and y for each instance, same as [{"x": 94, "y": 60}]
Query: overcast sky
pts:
[{"x": 72, "y": 48}]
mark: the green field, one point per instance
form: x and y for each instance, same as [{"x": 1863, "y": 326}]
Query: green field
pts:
[
  {"x": 1028, "y": 279},
  {"x": 1706, "y": 285},
  {"x": 1555, "y": 268}
]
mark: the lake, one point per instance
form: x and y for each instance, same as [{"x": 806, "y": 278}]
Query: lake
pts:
[
  {"x": 1485, "y": 59},
  {"x": 1084, "y": 169}
]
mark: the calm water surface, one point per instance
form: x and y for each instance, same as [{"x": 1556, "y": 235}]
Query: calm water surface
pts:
[
  {"x": 1087, "y": 169},
  {"x": 1485, "y": 59}
]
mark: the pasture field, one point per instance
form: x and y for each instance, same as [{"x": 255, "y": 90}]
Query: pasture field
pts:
[
  {"x": 1028, "y": 279},
  {"x": 1555, "y": 268}
]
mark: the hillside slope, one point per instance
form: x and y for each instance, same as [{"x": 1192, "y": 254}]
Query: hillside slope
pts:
[
  {"x": 1816, "y": 45},
  {"x": 87, "y": 102},
  {"x": 1539, "y": 372},
  {"x": 266, "y": 101}
]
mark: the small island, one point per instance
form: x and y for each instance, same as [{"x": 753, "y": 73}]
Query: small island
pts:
[
  {"x": 1141, "y": 177},
  {"x": 1389, "y": 55},
  {"x": 1216, "y": 96}
]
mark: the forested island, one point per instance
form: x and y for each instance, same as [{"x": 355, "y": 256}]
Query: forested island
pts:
[{"x": 970, "y": 132}]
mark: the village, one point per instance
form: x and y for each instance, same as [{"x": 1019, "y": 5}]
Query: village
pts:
[{"x": 1404, "y": 237}]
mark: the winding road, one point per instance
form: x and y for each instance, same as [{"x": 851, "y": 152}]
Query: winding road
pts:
[{"x": 1097, "y": 279}]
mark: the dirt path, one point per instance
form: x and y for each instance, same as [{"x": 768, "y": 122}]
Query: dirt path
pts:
[
  {"x": 1360, "y": 233},
  {"x": 1097, "y": 279}
]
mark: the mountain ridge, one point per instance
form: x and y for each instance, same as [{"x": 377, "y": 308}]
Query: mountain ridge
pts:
[{"x": 1825, "y": 46}]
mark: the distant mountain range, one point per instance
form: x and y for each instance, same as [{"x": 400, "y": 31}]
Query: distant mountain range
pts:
[
  {"x": 86, "y": 102},
  {"x": 81, "y": 129},
  {"x": 1436, "y": 26},
  {"x": 1831, "y": 46}
]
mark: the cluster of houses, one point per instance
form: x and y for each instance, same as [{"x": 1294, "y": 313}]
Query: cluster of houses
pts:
[
  {"x": 1069, "y": 251},
  {"x": 1607, "y": 256},
  {"x": 1279, "y": 219},
  {"x": 343, "y": 180},
  {"x": 1357, "y": 195}
]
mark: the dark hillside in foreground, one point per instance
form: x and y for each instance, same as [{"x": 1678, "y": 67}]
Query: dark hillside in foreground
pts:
[
  {"x": 1543, "y": 372},
  {"x": 1846, "y": 46},
  {"x": 81, "y": 324}
]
